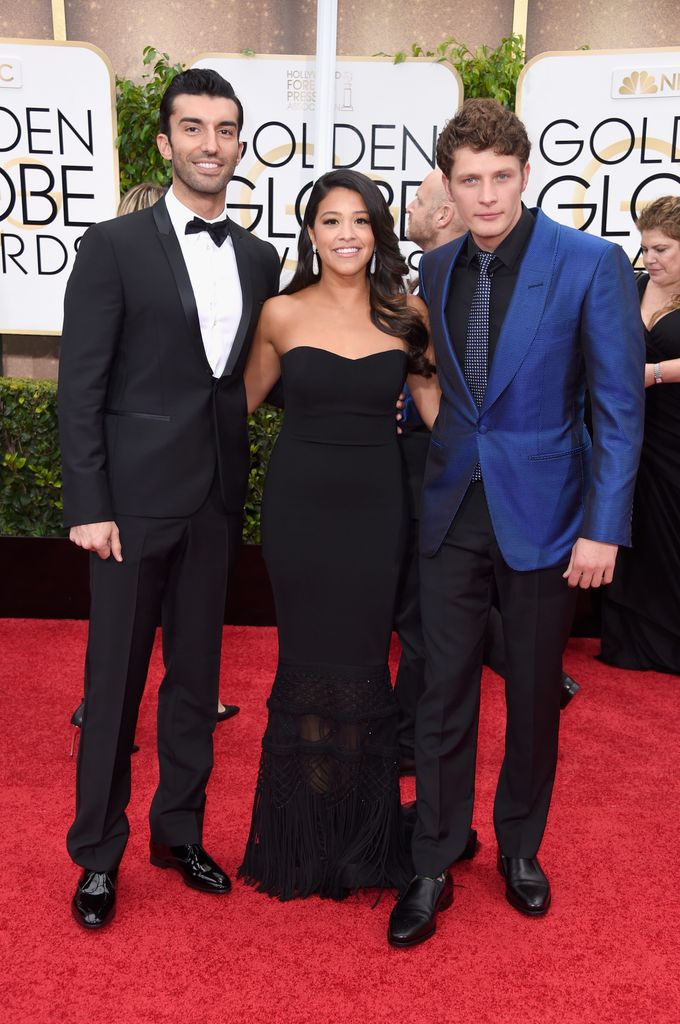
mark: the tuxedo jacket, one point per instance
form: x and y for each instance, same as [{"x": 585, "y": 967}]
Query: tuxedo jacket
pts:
[
  {"x": 143, "y": 422},
  {"x": 573, "y": 321}
]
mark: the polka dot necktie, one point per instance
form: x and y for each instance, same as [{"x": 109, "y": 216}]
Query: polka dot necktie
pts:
[{"x": 477, "y": 338}]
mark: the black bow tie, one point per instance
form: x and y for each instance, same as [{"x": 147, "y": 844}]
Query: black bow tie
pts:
[{"x": 218, "y": 231}]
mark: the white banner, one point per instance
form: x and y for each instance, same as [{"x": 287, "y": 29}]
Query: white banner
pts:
[
  {"x": 605, "y": 129},
  {"x": 58, "y": 172},
  {"x": 387, "y": 119}
]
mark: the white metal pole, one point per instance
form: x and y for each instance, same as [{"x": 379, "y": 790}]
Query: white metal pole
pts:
[{"x": 324, "y": 113}]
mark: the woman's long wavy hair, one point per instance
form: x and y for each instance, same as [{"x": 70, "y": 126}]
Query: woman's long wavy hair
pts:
[
  {"x": 390, "y": 311},
  {"x": 663, "y": 215}
]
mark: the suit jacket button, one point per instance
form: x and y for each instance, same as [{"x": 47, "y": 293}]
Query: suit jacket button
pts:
[{"x": 483, "y": 428}]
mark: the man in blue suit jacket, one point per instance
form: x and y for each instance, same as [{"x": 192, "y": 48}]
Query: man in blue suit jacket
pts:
[{"x": 516, "y": 497}]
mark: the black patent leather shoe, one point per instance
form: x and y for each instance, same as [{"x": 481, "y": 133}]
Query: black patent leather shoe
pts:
[
  {"x": 569, "y": 690},
  {"x": 526, "y": 887},
  {"x": 229, "y": 711},
  {"x": 94, "y": 902},
  {"x": 414, "y": 918},
  {"x": 197, "y": 868}
]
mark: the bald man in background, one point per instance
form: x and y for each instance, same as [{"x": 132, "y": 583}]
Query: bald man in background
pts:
[{"x": 433, "y": 220}]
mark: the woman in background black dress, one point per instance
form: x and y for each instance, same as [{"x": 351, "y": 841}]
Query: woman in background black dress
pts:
[
  {"x": 641, "y": 608},
  {"x": 343, "y": 335}
]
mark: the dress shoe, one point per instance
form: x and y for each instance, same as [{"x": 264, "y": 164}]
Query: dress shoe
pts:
[
  {"x": 414, "y": 919},
  {"x": 569, "y": 690},
  {"x": 407, "y": 762},
  {"x": 94, "y": 902},
  {"x": 526, "y": 887},
  {"x": 197, "y": 868},
  {"x": 229, "y": 711}
]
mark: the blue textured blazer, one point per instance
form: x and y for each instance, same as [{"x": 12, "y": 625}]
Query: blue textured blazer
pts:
[{"x": 573, "y": 322}]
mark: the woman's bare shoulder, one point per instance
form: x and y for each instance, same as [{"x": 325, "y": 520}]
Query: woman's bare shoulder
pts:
[
  {"x": 275, "y": 313},
  {"x": 416, "y": 303},
  {"x": 280, "y": 308}
]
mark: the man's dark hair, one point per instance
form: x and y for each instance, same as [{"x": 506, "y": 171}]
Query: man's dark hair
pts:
[
  {"x": 196, "y": 82},
  {"x": 483, "y": 124}
]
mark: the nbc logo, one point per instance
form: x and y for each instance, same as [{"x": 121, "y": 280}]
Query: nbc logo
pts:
[
  {"x": 659, "y": 82},
  {"x": 638, "y": 82}
]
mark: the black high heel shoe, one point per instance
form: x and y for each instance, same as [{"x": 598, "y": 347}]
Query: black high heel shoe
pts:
[
  {"x": 229, "y": 710},
  {"x": 77, "y": 723}
]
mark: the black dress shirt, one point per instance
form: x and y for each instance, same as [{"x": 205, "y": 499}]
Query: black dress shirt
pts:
[{"x": 504, "y": 271}]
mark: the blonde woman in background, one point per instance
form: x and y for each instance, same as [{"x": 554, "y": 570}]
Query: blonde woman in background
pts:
[{"x": 140, "y": 197}]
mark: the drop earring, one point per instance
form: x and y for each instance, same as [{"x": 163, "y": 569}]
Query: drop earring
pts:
[
  {"x": 315, "y": 261},
  {"x": 374, "y": 262}
]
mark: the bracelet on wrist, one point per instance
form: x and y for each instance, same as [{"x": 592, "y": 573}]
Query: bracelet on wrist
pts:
[{"x": 658, "y": 376}]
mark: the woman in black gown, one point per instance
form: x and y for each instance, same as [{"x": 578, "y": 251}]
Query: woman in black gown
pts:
[
  {"x": 641, "y": 608},
  {"x": 343, "y": 335}
]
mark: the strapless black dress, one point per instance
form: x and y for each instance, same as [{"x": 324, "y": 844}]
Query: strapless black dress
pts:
[
  {"x": 641, "y": 607},
  {"x": 326, "y": 817}
]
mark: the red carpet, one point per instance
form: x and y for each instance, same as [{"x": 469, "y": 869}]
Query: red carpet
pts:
[{"x": 606, "y": 953}]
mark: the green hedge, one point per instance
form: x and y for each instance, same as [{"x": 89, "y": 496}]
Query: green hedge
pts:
[
  {"x": 30, "y": 486},
  {"x": 30, "y": 474}
]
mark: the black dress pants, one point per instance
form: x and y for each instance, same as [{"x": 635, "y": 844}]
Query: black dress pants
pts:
[
  {"x": 408, "y": 684},
  {"x": 457, "y": 589},
  {"x": 174, "y": 571},
  {"x": 414, "y": 445}
]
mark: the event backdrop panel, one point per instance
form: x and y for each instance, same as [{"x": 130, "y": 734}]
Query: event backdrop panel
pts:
[
  {"x": 381, "y": 127},
  {"x": 58, "y": 172},
  {"x": 31, "y": 19},
  {"x": 608, "y": 144},
  {"x": 391, "y": 25},
  {"x": 123, "y": 28},
  {"x": 600, "y": 25}
]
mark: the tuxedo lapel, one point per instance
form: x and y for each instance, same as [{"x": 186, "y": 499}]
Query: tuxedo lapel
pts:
[
  {"x": 526, "y": 307},
  {"x": 173, "y": 252},
  {"x": 239, "y": 237}
]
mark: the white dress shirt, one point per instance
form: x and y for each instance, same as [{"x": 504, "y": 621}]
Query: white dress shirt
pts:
[{"x": 215, "y": 282}]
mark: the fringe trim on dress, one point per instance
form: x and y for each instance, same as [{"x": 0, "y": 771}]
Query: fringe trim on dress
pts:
[{"x": 327, "y": 816}]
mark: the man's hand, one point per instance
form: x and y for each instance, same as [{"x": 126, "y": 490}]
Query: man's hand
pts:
[
  {"x": 100, "y": 537},
  {"x": 591, "y": 564}
]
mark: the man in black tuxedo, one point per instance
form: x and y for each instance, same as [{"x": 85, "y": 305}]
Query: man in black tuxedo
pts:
[{"x": 159, "y": 314}]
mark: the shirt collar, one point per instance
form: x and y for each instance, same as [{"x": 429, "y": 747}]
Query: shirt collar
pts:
[
  {"x": 180, "y": 215},
  {"x": 510, "y": 251}
]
